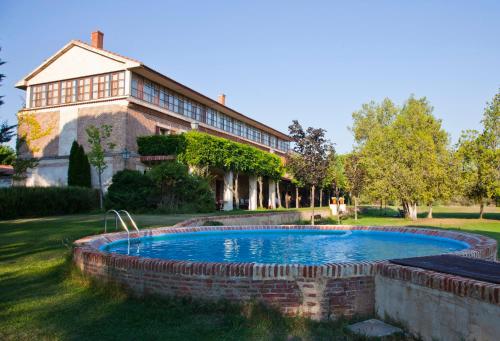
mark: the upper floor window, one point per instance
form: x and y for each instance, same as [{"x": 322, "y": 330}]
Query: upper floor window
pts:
[{"x": 78, "y": 90}]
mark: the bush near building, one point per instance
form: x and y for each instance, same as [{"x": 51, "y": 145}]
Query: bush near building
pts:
[
  {"x": 16, "y": 202},
  {"x": 167, "y": 187}
]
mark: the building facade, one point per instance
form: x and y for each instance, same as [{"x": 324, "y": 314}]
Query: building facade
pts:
[{"x": 83, "y": 85}]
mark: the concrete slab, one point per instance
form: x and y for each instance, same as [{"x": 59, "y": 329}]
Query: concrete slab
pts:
[{"x": 374, "y": 328}]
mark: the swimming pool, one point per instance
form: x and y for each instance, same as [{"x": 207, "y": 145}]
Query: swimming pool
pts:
[
  {"x": 321, "y": 272},
  {"x": 310, "y": 247}
]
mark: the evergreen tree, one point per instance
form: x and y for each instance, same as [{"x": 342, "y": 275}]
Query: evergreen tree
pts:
[
  {"x": 79, "y": 167},
  {"x": 85, "y": 177},
  {"x": 73, "y": 165}
]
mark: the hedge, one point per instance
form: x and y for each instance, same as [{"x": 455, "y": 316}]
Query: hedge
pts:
[
  {"x": 203, "y": 150},
  {"x": 18, "y": 202},
  {"x": 161, "y": 144}
]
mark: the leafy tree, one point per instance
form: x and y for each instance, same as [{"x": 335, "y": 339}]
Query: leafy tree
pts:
[
  {"x": 7, "y": 155},
  {"x": 355, "y": 175},
  {"x": 479, "y": 153},
  {"x": 369, "y": 124},
  {"x": 402, "y": 153},
  {"x": 310, "y": 158},
  {"x": 99, "y": 146}
]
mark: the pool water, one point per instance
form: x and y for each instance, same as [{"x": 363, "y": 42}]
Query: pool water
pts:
[{"x": 286, "y": 246}]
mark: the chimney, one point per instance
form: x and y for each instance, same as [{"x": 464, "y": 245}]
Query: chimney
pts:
[
  {"x": 97, "y": 39},
  {"x": 222, "y": 99}
]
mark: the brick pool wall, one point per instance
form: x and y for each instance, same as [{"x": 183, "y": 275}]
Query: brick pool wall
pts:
[{"x": 319, "y": 292}]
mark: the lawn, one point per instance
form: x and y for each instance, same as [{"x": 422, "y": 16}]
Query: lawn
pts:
[{"x": 43, "y": 297}]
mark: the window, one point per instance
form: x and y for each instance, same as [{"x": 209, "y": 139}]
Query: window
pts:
[
  {"x": 211, "y": 117},
  {"x": 53, "y": 94},
  {"x": 238, "y": 128},
  {"x": 82, "y": 89},
  {"x": 162, "y": 131},
  {"x": 117, "y": 83},
  {"x": 265, "y": 139},
  {"x": 101, "y": 86}
]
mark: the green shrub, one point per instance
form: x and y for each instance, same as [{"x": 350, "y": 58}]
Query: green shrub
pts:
[
  {"x": 161, "y": 144},
  {"x": 18, "y": 202},
  {"x": 131, "y": 190},
  {"x": 180, "y": 191}
]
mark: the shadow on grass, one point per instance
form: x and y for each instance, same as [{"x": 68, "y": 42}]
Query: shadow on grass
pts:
[{"x": 61, "y": 303}]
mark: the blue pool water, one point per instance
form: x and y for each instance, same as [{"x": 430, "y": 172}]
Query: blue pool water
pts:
[{"x": 285, "y": 246}]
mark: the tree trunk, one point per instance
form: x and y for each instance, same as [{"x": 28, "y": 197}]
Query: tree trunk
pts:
[
  {"x": 297, "y": 197},
  {"x": 100, "y": 191},
  {"x": 380, "y": 208},
  {"x": 312, "y": 204},
  {"x": 321, "y": 197},
  {"x": 261, "y": 194},
  {"x": 410, "y": 210},
  {"x": 355, "y": 208},
  {"x": 481, "y": 209},
  {"x": 236, "y": 191},
  {"x": 429, "y": 214},
  {"x": 278, "y": 193}
]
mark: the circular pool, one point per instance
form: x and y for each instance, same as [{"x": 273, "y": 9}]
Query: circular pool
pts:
[
  {"x": 285, "y": 246},
  {"x": 321, "y": 272}
]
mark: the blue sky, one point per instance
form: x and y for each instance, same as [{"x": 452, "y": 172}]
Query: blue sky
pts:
[{"x": 281, "y": 60}]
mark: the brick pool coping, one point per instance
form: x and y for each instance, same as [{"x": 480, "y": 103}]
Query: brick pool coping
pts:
[{"x": 326, "y": 291}]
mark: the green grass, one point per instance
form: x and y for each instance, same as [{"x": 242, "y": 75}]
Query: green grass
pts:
[{"x": 42, "y": 296}]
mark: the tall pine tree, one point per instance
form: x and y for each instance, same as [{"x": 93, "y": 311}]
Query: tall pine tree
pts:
[
  {"x": 85, "y": 178},
  {"x": 79, "y": 167},
  {"x": 73, "y": 165}
]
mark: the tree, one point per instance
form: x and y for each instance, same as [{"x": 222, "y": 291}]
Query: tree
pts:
[
  {"x": 99, "y": 147},
  {"x": 369, "y": 124},
  {"x": 7, "y": 155},
  {"x": 401, "y": 151},
  {"x": 6, "y": 132},
  {"x": 85, "y": 175},
  {"x": 79, "y": 167},
  {"x": 479, "y": 153},
  {"x": 355, "y": 176},
  {"x": 310, "y": 157}
]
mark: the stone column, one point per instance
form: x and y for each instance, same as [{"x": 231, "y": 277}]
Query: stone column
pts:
[
  {"x": 272, "y": 194},
  {"x": 228, "y": 191},
  {"x": 252, "y": 192}
]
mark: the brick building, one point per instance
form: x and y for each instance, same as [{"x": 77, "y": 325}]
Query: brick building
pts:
[{"x": 82, "y": 85}]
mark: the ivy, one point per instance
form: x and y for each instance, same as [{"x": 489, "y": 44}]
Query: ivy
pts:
[{"x": 203, "y": 150}]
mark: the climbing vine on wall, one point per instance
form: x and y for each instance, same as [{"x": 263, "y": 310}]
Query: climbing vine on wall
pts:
[
  {"x": 31, "y": 130},
  {"x": 203, "y": 150}
]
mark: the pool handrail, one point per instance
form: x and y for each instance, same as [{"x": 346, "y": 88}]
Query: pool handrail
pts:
[
  {"x": 131, "y": 220},
  {"x": 117, "y": 217}
]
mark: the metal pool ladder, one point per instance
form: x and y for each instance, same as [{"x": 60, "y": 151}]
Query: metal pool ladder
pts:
[{"x": 118, "y": 217}]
